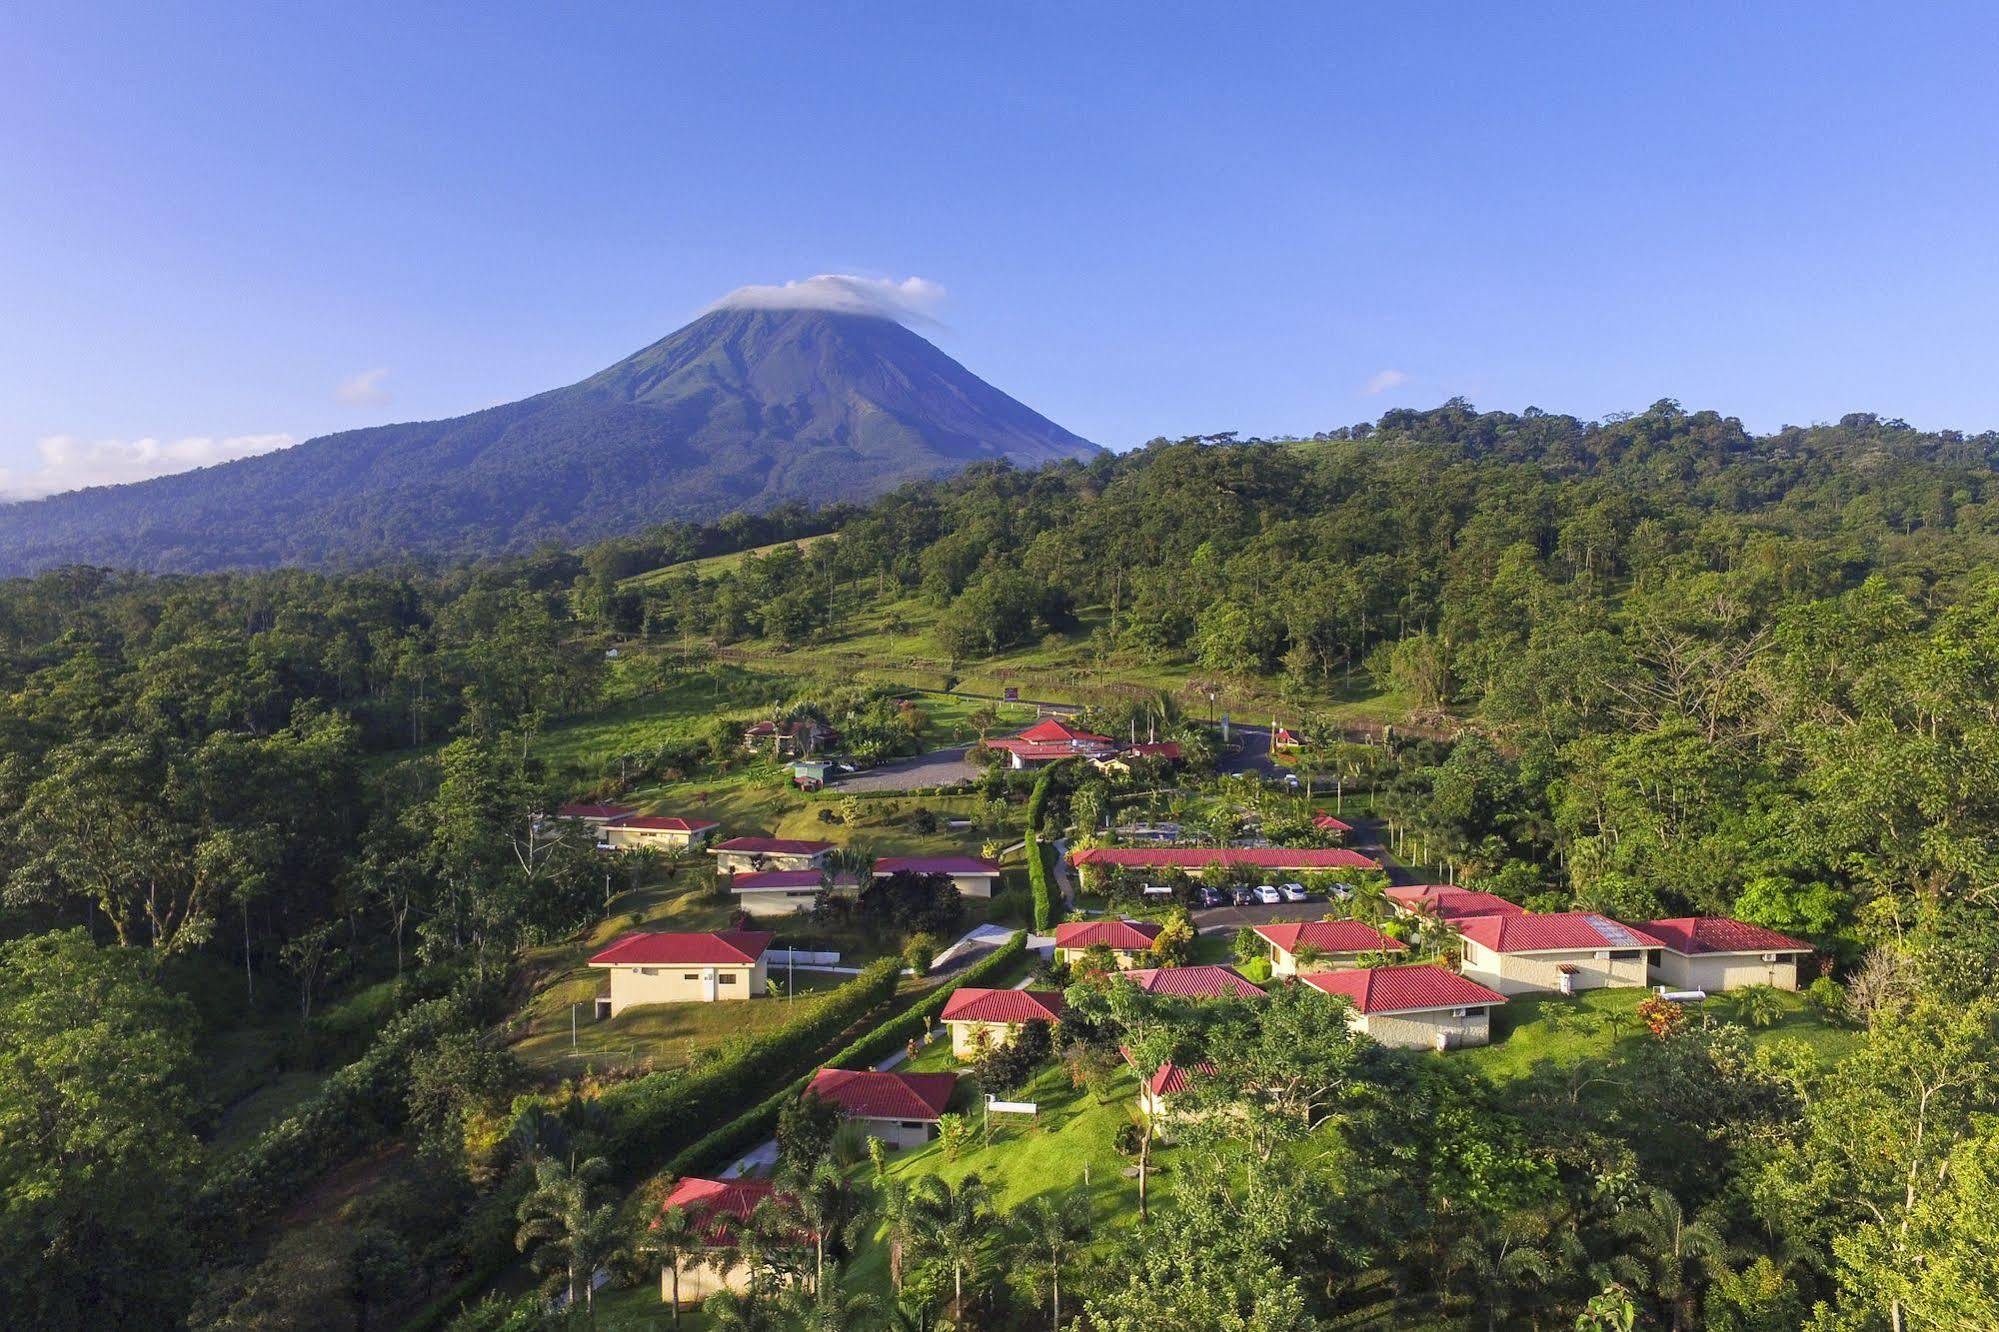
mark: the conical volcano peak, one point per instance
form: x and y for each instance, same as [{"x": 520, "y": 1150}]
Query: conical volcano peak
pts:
[{"x": 769, "y": 397}]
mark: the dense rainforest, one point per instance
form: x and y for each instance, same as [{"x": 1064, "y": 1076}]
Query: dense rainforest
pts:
[{"x": 1651, "y": 665}]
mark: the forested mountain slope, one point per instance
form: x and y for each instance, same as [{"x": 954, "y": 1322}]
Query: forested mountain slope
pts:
[{"x": 742, "y": 409}]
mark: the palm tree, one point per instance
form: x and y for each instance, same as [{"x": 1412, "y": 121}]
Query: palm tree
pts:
[
  {"x": 565, "y": 1231},
  {"x": 1504, "y": 1258},
  {"x": 673, "y": 1237},
  {"x": 827, "y": 1208},
  {"x": 902, "y": 1222},
  {"x": 831, "y": 1309},
  {"x": 957, "y": 1226},
  {"x": 1670, "y": 1251},
  {"x": 1758, "y": 1005},
  {"x": 732, "y": 1311},
  {"x": 1057, "y": 1228}
]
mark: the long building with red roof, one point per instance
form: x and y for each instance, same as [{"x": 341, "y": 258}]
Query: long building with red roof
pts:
[
  {"x": 753, "y": 855},
  {"x": 970, "y": 875},
  {"x": 1094, "y": 861},
  {"x": 1563, "y": 952},
  {"x": 683, "y": 968},
  {"x": 1449, "y": 903},
  {"x": 1413, "y": 1007}
]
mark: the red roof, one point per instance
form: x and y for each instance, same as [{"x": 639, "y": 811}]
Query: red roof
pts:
[
  {"x": 724, "y": 948},
  {"x": 1449, "y": 903},
  {"x": 873, "y": 1095},
  {"x": 1329, "y": 936},
  {"x": 772, "y": 846},
  {"x": 1693, "y": 935},
  {"x": 1028, "y": 749},
  {"x": 1129, "y": 935},
  {"x": 1055, "y": 731},
  {"x": 1170, "y": 1078},
  {"x": 1204, "y": 982},
  {"x": 1160, "y": 749},
  {"x": 1327, "y": 823},
  {"x": 775, "y": 879},
  {"x": 715, "y": 1203},
  {"x": 762, "y": 728},
  {"x": 667, "y": 823},
  {"x": 1200, "y": 857},
  {"x": 934, "y": 865},
  {"x": 595, "y": 812},
  {"x": 1568, "y": 931},
  {"x": 1403, "y": 989},
  {"x": 972, "y": 1005}
]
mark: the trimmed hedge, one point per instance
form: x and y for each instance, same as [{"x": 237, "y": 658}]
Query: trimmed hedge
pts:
[
  {"x": 760, "y": 1121},
  {"x": 655, "y": 1116},
  {"x": 1047, "y": 902}
]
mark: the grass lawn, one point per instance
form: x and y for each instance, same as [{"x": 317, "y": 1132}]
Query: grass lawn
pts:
[
  {"x": 1027, "y": 1159},
  {"x": 668, "y": 1034},
  {"x": 1533, "y": 1030}
]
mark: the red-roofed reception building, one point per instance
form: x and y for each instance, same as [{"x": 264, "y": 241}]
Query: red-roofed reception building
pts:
[
  {"x": 718, "y": 1208},
  {"x": 684, "y": 968},
  {"x": 999, "y": 1014},
  {"x": 753, "y": 855},
  {"x": 970, "y": 875},
  {"x": 1561, "y": 953},
  {"x": 667, "y": 832},
  {"x": 1414, "y": 1007},
  {"x": 1050, "y": 739},
  {"x": 902, "y": 1109},
  {"x": 1129, "y": 940},
  {"x": 1327, "y": 945},
  {"x": 1202, "y": 982},
  {"x": 1330, "y": 825},
  {"x": 1715, "y": 953},
  {"x": 597, "y": 814}
]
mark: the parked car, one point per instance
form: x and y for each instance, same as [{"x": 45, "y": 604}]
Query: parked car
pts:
[
  {"x": 1242, "y": 896},
  {"x": 1209, "y": 897},
  {"x": 1295, "y": 892},
  {"x": 1341, "y": 892},
  {"x": 1268, "y": 895}
]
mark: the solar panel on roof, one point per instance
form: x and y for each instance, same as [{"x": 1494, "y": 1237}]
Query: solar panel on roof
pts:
[{"x": 1613, "y": 933}]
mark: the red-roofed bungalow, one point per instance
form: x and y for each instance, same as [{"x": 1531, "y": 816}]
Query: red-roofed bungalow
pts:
[
  {"x": 1129, "y": 940},
  {"x": 1414, "y": 1007},
  {"x": 1050, "y": 739},
  {"x": 753, "y": 855},
  {"x": 1327, "y": 945},
  {"x": 1448, "y": 903},
  {"x": 999, "y": 1014},
  {"x": 1202, "y": 982},
  {"x": 718, "y": 1208},
  {"x": 972, "y": 876},
  {"x": 683, "y": 968},
  {"x": 665, "y": 831},
  {"x": 902, "y": 1109},
  {"x": 1715, "y": 953}
]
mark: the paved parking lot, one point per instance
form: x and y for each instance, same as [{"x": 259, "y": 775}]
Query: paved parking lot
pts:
[{"x": 940, "y": 767}]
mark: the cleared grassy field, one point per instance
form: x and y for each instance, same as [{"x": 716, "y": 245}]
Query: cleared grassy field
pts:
[{"x": 710, "y": 565}]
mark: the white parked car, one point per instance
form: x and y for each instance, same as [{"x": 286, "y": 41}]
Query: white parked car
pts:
[
  {"x": 1267, "y": 895},
  {"x": 1295, "y": 892}
]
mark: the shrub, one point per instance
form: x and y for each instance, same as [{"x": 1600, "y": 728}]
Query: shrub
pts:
[
  {"x": 955, "y": 1131},
  {"x": 1827, "y": 998},
  {"x": 1130, "y": 1139}
]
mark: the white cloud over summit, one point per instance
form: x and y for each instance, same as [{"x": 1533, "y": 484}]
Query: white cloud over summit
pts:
[
  {"x": 70, "y": 462},
  {"x": 912, "y": 300}
]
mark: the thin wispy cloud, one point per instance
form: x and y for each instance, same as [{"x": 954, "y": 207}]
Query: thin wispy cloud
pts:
[
  {"x": 70, "y": 462},
  {"x": 913, "y": 300},
  {"x": 1383, "y": 380},
  {"x": 364, "y": 389}
]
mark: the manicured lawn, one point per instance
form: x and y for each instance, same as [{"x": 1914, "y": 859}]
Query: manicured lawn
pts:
[
  {"x": 1073, "y": 1134},
  {"x": 1530, "y": 1031},
  {"x": 667, "y": 1034}
]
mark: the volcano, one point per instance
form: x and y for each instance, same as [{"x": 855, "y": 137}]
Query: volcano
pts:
[{"x": 742, "y": 409}]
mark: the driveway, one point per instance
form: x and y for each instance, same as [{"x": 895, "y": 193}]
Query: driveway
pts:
[
  {"x": 1235, "y": 917},
  {"x": 940, "y": 767}
]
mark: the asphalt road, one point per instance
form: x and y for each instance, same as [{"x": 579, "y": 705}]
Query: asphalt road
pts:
[{"x": 940, "y": 767}]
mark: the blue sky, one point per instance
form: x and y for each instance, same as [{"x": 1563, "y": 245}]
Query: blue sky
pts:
[{"x": 223, "y": 226}]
